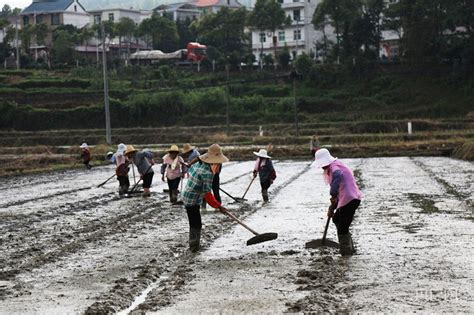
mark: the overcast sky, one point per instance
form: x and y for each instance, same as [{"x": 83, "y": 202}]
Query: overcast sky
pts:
[{"x": 15, "y": 3}]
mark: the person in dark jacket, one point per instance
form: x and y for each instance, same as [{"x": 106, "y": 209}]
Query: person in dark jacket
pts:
[
  {"x": 266, "y": 172},
  {"x": 85, "y": 155}
]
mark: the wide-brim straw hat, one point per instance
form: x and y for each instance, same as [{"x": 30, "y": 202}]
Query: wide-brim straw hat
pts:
[
  {"x": 84, "y": 146},
  {"x": 323, "y": 158},
  {"x": 214, "y": 155},
  {"x": 263, "y": 154},
  {"x": 173, "y": 148},
  {"x": 187, "y": 147},
  {"x": 130, "y": 149}
]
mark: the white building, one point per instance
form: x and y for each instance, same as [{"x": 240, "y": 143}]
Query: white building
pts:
[
  {"x": 179, "y": 11},
  {"x": 115, "y": 14},
  {"x": 299, "y": 37},
  {"x": 213, "y": 6},
  {"x": 123, "y": 47}
]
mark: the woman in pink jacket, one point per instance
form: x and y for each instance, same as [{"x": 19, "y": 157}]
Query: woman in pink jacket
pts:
[
  {"x": 345, "y": 196},
  {"x": 173, "y": 169}
]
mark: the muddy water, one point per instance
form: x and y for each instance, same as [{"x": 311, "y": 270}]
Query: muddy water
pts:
[{"x": 70, "y": 247}]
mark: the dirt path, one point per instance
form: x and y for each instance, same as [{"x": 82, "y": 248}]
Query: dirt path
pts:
[{"x": 69, "y": 247}]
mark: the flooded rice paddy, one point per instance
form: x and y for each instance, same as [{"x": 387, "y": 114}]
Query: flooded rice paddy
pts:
[{"x": 69, "y": 247}]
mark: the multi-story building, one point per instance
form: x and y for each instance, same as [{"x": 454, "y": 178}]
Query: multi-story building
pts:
[
  {"x": 115, "y": 14},
  {"x": 213, "y": 6},
  {"x": 54, "y": 13},
  {"x": 300, "y": 36},
  {"x": 179, "y": 11},
  {"x": 118, "y": 46}
]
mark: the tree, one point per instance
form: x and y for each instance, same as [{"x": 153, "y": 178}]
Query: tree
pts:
[
  {"x": 303, "y": 64},
  {"x": 224, "y": 31},
  {"x": 125, "y": 28},
  {"x": 284, "y": 57},
  {"x": 40, "y": 31},
  {"x": 6, "y": 11},
  {"x": 184, "y": 32},
  {"x": 268, "y": 15},
  {"x": 26, "y": 34},
  {"x": 160, "y": 32},
  {"x": 62, "y": 50},
  {"x": 458, "y": 24},
  {"x": 268, "y": 60},
  {"x": 340, "y": 14}
]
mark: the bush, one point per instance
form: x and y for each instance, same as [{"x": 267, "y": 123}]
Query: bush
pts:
[{"x": 303, "y": 64}]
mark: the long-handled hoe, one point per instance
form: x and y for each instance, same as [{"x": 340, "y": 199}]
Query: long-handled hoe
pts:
[
  {"x": 322, "y": 242},
  {"x": 236, "y": 199},
  {"x": 105, "y": 182},
  {"x": 258, "y": 238}
]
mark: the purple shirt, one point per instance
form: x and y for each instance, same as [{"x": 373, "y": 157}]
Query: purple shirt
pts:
[{"x": 343, "y": 184}]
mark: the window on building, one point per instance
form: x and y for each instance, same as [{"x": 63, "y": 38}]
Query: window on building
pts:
[
  {"x": 55, "y": 19},
  {"x": 263, "y": 38},
  {"x": 296, "y": 15},
  {"x": 39, "y": 19},
  {"x": 111, "y": 17},
  {"x": 297, "y": 34},
  {"x": 296, "y": 0},
  {"x": 281, "y": 36},
  {"x": 75, "y": 8},
  {"x": 280, "y": 1},
  {"x": 228, "y": 2},
  {"x": 26, "y": 20},
  {"x": 97, "y": 19}
]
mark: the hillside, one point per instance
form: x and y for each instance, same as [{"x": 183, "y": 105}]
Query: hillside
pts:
[{"x": 43, "y": 113}]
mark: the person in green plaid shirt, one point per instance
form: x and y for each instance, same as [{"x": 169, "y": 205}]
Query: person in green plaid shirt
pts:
[{"x": 199, "y": 186}]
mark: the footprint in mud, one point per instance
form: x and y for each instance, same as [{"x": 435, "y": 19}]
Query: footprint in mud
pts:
[{"x": 321, "y": 279}]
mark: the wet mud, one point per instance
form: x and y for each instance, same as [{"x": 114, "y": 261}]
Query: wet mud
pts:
[{"x": 70, "y": 247}]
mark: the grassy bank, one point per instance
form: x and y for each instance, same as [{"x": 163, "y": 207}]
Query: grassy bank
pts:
[{"x": 46, "y": 115}]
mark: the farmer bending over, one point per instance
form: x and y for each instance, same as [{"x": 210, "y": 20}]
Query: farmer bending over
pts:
[
  {"x": 121, "y": 169},
  {"x": 198, "y": 187},
  {"x": 85, "y": 155},
  {"x": 143, "y": 161},
  {"x": 345, "y": 196}
]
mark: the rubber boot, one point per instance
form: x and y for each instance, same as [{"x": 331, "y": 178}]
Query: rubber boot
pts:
[
  {"x": 346, "y": 246},
  {"x": 170, "y": 193},
  {"x": 194, "y": 239},
  {"x": 121, "y": 190},
  {"x": 174, "y": 196},
  {"x": 265, "y": 195}
]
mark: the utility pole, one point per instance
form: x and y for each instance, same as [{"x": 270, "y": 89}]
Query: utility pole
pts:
[
  {"x": 227, "y": 99},
  {"x": 294, "y": 74},
  {"x": 108, "y": 132},
  {"x": 297, "y": 35},
  {"x": 16, "y": 44}
]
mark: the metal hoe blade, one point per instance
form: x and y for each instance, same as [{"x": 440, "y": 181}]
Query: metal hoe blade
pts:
[
  {"x": 260, "y": 238},
  {"x": 320, "y": 243}
]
